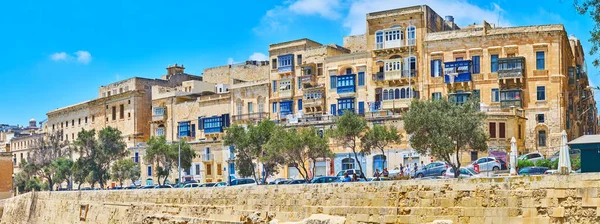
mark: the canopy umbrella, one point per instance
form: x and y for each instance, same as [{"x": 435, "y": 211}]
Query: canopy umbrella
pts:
[
  {"x": 513, "y": 156},
  {"x": 564, "y": 160}
]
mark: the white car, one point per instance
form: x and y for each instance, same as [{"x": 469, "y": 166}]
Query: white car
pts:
[
  {"x": 464, "y": 173},
  {"x": 534, "y": 156},
  {"x": 486, "y": 164}
]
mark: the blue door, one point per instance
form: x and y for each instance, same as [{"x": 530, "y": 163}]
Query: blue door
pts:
[
  {"x": 333, "y": 109},
  {"x": 361, "y": 107}
]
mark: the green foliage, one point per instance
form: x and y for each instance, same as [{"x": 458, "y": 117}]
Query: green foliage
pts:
[
  {"x": 81, "y": 172},
  {"x": 441, "y": 128},
  {"x": 378, "y": 138},
  {"x": 554, "y": 164},
  {"x": 98, "y": 154},
  {"x": 544, "y": 163},
  {"x": 249, "y": 145},
  {"x": 575, "y": 163},
  {"x": 299, "y": 148},
  {"x": 593, "y": 7},
  {"x": 61, "y": 170},
  {"x": 165, "y": 156},
  {"x": 349, "y": 129},
  {"x": 45, "y": 152},
  {"x": 125, "y": 169},
  {"x": 524, "y": 163}
]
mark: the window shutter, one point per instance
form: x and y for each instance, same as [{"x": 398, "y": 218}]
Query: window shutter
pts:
[
  {"x": 432, "y": 68},
  {"x": 361, "y": 79},
  {"x": 333, "y": 82},
  {"x": 502, "y": 131},
  {"x": 200, "y": 123}
]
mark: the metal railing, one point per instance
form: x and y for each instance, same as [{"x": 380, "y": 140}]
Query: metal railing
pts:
[
  {"x": 207, "y": 157},
  {"x": 251, "y": 116}
]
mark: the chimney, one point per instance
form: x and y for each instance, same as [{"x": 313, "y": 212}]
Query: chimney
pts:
[
  {"x": 450, "y": 21},
  {"x": 175, "y": 69}
]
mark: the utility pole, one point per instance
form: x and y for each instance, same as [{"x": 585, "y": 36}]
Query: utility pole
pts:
[{"x": 179, "y": 161}]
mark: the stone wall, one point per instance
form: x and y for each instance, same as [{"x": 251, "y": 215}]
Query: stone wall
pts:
[
  {"x": 6, "y": 172},
  {"x": 538, "y": 199}
]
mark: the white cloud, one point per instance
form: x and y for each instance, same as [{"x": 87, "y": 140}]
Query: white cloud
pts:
[
  {"x": 324, "y": 8},
  {"x": 82, "y": 57},
  {"x": 464, "y": 12},
  {"x": 230, "y": 61},
  {"x": 257, "y": 56},
  {"x": 59, "y": 56},
  {"x": 278, "y": 18}
]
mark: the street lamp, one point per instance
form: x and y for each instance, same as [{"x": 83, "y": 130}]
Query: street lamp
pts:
[{"x": 179, "y": 161}]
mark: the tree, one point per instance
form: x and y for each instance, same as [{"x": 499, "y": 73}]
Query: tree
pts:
[
  {"x": 441, "y": 128},
  {"x": 125, "y": 169},
  {"x": 62, "y": 170},
  {"x": 81, "y": 172},
  {"x": 26, "y": 180},
  {"x": 249, "y": 147},
  {"x": 297, "y": 148},
  {"x": 592, "y": 6},
  {"x": 46, "y": 150},
  {"x": 349, "y": 129},
  {"x": 165, "y": 156},
  {"x": 378, "y": 138}
]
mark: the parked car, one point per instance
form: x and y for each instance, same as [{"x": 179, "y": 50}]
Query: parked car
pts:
[
  {"x": 573, "y": 153},
  {"x": 325, "y": 179},
  {"x": 532, "y": 170},
  {"x": 130, "y": 187},
  {"x": 534, "y": 156},
  {"x": 486, "y": 164},
  {"x": 242, "y": 182},
  {"x": 207, "y": 185},
  {"x": 279, "y": 181},
  {"x": 163, "y": 186},
  {"x": 191, "y": 185},
  {"x": 432, "y": 169},
  {"x": 221, "y": 184},
  {"x": 117, "y": 188},
  {"x": 376, "y": 179},
  {"x": 350, "y": 173},
  {"x": 148, "y": 187},
  {"x": 86, "y": 189},
  {"x": 296, "y": 182},
  {"x": 550, "y": 172},
  {"x": 465, "y": 172}
]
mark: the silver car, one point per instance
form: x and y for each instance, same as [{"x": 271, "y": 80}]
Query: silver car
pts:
[
  {"x": 534, "y": 156},
  {"x": 486, "y": 164}
]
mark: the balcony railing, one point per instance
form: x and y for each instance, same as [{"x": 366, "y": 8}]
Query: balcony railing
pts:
[
  {"x": 345, "y": 89},
  {"x": 207, "y": 157},
  {"x": 285, "y": 93},
  {"x": 463, "y": 77},
  {"x": 395, "y": 104},
  {"x": 510, "y": 103},
  {"x": 250, "y": 116},
  {"x": 283, "y": 69},
  {"x": 159, "y": 114},
  {"x": 315, "y": 102},
  {"x": 510, "y": 73}
]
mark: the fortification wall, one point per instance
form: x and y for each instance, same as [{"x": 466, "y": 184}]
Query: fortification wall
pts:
[{"x": 539, "y": 199}]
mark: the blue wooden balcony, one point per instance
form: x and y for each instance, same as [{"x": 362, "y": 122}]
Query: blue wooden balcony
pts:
[
  {"x": 346, "y": 89},
  {"x": 464, "y": 77}
]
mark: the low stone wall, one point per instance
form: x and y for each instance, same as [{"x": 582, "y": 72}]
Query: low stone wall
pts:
[{"x": 538, "y": 199}]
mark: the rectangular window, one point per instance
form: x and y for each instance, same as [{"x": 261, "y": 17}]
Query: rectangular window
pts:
[
  {"x": 208, "y": 169},
  {"x": 197, "y": 169},
  {"x": 149, "y": 171},
  {"x": 250, "y": 107},
  {"x": 86, "y": 120},
  {"x": 219, "y": 168},
  {"x": 232, "y": 168},
  {"x": 73, "y": 122},
  {"x": 299, "y": 82},
  {"x": 184, "y": 129},
  {"x": 346, "y": 104},
  {"x": 160, "y": 131},
  {"x": 495, "y": 95},
  {"x": 501, "y": 130},
  {"x": 121, "y": 111},
  {"x": 492, "y": 130},
  {"x": 361, "y": 79},
  {"x": 476, "y": 64},
  {"x": 540, "y": 60},
  {"x": 459, "y": 59},
  {"x": 136, "y": 157},
  {"x": 319, "y": 69},
  {"x": 114, "y": 113},
  {"x": 519, "y": 132},
  {"x": 542, "y": 138},
  {"x": 333, "y": 82},
  {"x": 348, "y": 71},
  {"x": 93, "y": 118},
  {"x": 274, "y": 86},
  {"x": 299, "y": 104},
  {"x": 274, "y": 63},
  {"x": 541, "y": 93},
  {"x": 494, "y": 63},
  {"x": 274, "y": 107},
  {"x": 436, "y": 96},
  {"x": 79, "y": 121},
  {"x": 361, "y": 107},
  {"x": 285, "y": 107},
  {"x": 299, "y": 59},
  {"x": 540, "y": 118},
  {"x": 333, "y": 109},
  {"x": 436, "y": 68}
]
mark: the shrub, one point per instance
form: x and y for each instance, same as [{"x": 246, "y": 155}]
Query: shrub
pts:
[
  {"x": 524, "y": 163},
  {"x": 544, "y": 163},
  {"x": 576, "y": 163}
]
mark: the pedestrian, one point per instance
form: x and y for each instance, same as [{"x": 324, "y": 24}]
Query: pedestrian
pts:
[
  {"x": 401, "y": 170},
  {"x": 346, "y": 178},
  {"x": 415, "y": 168},
  {"x": 422, "y": 165},
  {"x": 354, "y": 177},
  {"x": 385, "y": 172},
  {"x": 376, "y": 174},
  {"x": 407, "y": 170}
]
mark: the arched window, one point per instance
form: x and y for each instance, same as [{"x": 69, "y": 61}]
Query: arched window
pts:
[
  {"x": 411, "y": 35},
  {"x": 379, "y": 162},
  {"x": 347, "y": 164},
  {"x": 402, "y": 94},
  {"x": 385, "y": 96},
  {"x": 391, "y": 96},
  {"x": 397, "y": 94}
]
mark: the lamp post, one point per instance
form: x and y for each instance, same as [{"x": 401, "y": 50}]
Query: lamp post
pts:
[{"x": 179, "y": 161}]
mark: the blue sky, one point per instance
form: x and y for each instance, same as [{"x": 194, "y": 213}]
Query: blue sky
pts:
[{"x": 57, "y": 53}]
